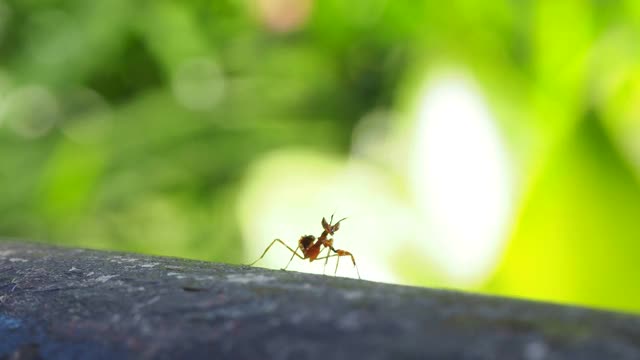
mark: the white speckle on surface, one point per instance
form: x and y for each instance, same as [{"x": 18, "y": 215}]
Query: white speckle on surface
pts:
[
  {"x": 149, "y": 265},
  {"x": 152, "y": 300},
  {"x": 173, "y": 267},
  {"x": 352, "y": 295},
  {"x": 73, "y": 268},
  {"x": 204, "y": 277},
  {"x": 105, "y": 278},
  {"x": 4, "y": 253},
  {"x": 18, "y": 260},
  {"x": 120, "y": 259},
  {"x": 90, "y": 274},
  {"x": 177, "y": 275},
  {"x": 535, "y": 350},
  {"x": 248, "y": 278}
]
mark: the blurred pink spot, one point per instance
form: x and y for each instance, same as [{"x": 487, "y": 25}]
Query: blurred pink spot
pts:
[{"x": 283, "y": 15}]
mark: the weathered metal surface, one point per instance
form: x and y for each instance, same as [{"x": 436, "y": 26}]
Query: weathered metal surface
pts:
[{"x": 59, "y": 303}]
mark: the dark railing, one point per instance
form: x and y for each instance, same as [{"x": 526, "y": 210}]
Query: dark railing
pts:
[{"x": 62, "y": 303}]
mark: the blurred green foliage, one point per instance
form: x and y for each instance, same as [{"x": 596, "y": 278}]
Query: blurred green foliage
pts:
[
  {"x": 152, "y": 170},
  {"x": 131, "y": 124}
]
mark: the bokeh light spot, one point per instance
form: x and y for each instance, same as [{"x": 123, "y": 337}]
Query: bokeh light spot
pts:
[
  {"x": 198, "y": 83},
  {"x": 460, "y": 178},
  {"x": 30, "y": 111},
  {"x": 281, "y": 200},
  {"x": 87, "y": 116},
  {"x": 282, "y": 15}
]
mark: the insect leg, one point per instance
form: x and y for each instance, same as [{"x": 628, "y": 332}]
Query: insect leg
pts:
[
  {"x": 324, "y": 268},
  {"x": 341, "y": 253},
  {"x": 327, "y": 256},
  {"x": 269, "y": 247},
  {"x": 326, "y": 260},
  {"x": 290, "y": 260}
]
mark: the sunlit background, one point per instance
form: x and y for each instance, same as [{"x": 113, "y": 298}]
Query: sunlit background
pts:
[{"x": 488, "y": 146}]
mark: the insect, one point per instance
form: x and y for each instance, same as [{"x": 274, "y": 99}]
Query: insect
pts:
[{"x": 311, "y": 247}]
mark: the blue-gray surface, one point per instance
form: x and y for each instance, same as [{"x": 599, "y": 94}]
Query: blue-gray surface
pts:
[{"x": 58, "y": 303}]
